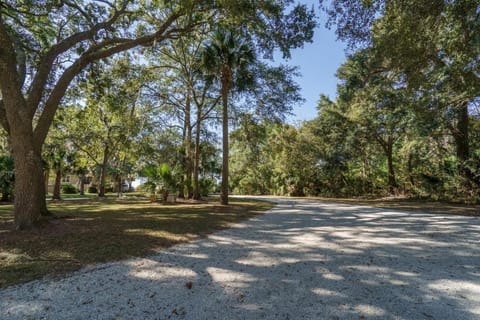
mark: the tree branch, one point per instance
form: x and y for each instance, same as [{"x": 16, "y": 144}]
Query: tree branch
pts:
[
  {"x": 21, "y": 61},
  {"x": 214, "y": 104},
  {"x": 91, "y": 156},
  {"x": 60, "y": 88},
  {"x": 46, "y": 62},
  {"x": 79, "y": 9},
  {"x": 10, "y": 85}
]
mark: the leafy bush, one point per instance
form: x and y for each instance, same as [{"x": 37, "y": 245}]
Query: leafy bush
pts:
[
  {"x": 148, "y": 186},
  {"x": 160, "y": 178},
  {"x": 206, "y": 186},
  {"x": 92, "y": 189},
  {"x": 7, "y": 177},
  {"x": 68, "y": 188}
]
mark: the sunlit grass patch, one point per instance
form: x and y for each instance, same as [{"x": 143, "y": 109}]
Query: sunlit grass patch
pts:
[{"x": 99, "y": 230}]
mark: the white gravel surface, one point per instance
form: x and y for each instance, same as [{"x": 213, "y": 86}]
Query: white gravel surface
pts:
[{"x": 302, "y": 260}]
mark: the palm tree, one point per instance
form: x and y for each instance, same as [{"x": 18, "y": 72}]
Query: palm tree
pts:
[{"x": 226, "y": 58}]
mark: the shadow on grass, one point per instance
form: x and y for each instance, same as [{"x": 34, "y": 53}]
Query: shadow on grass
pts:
[
  {"x": 309, "y": 260},
  {"x": 104, "y": 230}
]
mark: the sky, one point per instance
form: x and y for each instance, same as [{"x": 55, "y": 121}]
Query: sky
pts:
[{"x": 318, "y": 62}]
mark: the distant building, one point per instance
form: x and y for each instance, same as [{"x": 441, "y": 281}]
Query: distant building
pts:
[{"x": 71, "y": 179}]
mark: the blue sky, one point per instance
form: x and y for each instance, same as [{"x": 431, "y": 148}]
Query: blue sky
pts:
[{"x": 318, "y": 62}]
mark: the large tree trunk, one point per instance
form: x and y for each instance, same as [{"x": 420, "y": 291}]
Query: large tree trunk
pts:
[
  {"x": 181, "y": 182},
  {"x": 224, "y": 188},
  {"x": 82, "y": 184},
  {"x": 16, "y": 115},
  {"x": 461, "y": 137},
  {"x": 460, "y": 134},
  {"x": 103, "y": 173},
  {"x": 392, "y": 183},
  {"x": 188, "y": 147},
  {"x": 196, "y": 164},
  {"x": 101, "y": 187},
  {"x": 120, "y": 186},
  {"x": 364, "y": 174},
  {"x": 58, "y": 183},
  {"x": 29, "y": 204}
]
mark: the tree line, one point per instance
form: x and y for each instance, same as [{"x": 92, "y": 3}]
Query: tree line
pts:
[
  {"x": 126, "y": 88},
  {"x": 405, "y": 119},
  {"x": 59, "y": 72}
]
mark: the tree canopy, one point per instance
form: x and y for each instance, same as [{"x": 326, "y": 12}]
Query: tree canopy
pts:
[
  {"x": 46, "y": 45},
  {"x": 112, "y": 90}
]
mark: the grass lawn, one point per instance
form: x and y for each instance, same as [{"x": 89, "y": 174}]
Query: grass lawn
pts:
[{"x": 92, "y": 231}]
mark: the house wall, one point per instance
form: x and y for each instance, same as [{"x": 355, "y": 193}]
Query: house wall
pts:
[{"x": 68, "y": 178}]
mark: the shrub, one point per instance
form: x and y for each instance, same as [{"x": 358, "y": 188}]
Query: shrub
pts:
[
  {"x": 92, "y": 189},
  {"x": 206, "y": 186},
  {"x": 68, "y": 188}
]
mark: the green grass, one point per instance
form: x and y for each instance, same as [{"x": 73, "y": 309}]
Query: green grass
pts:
[
  {"x": 75, "y": 196},
  {"x": 93, "y": 231}
]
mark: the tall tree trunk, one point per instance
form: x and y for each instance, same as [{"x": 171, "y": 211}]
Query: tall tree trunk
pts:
[
  {"x": 392, "y": 183},
  {"x": 188, "y": 147},
  {"x": 82, "y": 184},
  {"x": 58, "y": 183},
  {"x": 364, "y": 174},
  {"x": 460, "y": 135},
  {"x": 196, "y": 164},
  {"x": 120, "y": 186},
  {"x": 103, "y": 173},
  {"x": 101, "y": 187},
  {"x": 224, "y": 187},
  {"x": 46, "y": 177},
  {"x": 181, "y": 182},
  {"x": 29, "y": 205}
]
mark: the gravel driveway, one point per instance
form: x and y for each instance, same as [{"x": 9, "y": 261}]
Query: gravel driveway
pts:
[{"x": 301, "y": 260}]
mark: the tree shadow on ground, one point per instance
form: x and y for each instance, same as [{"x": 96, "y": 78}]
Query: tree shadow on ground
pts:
[
  {"x": 101, "y": 231},
  {"x": 304, "y": 261}
]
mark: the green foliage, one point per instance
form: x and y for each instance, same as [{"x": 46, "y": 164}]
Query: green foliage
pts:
[
  {"x": 409, "y": 94},
  {"x": 273, "y": 158},
  {"x": 207, "y": 186},
  {"x": 228, "y": 58},
  {"x": 68, "y": 188},
  {"x": 7, "y": 177},
  {"x": 160, "y": 178}
]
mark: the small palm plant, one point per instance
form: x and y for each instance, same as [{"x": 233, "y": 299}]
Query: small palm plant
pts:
[{"x": 160, "y": 179}]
